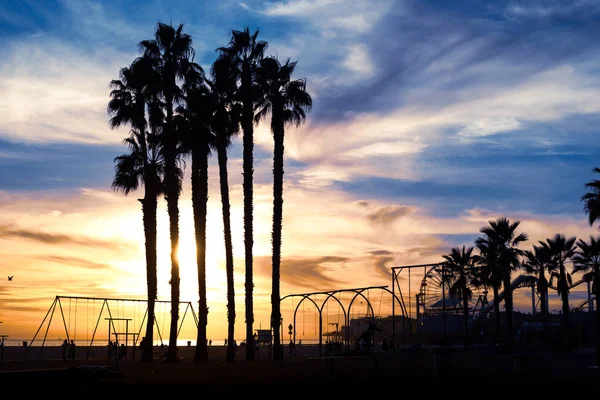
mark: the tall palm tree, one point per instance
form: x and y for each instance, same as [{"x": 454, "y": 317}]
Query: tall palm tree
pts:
[
  {"x": 587, "y": 259},
  {"x": 488, "y": 274},
  {"x": 287, "y": 101},
  {"x": 130, "y": 98},
  {"x": 170, "y": 53},
  {"x": 225, "y": 125},
  {"x": 537, "y": 261},
  {"x": 461, "y": 265},
  {"x": 502, "y": 235},
  {"x": 561, "y": 250},
  {"x": 245, "y": 51},
  {"x": 591, "y": 199},
  {"x": 194, "y": 121}
]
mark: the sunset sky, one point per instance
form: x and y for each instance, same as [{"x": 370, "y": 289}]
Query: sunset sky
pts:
[{"x": 429, "y": 119}]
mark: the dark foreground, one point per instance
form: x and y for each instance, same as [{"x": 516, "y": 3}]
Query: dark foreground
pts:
[{"x": 405, "y": 371}]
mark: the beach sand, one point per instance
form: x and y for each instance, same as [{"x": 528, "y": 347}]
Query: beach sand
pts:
[{"x": 400, "y": 369}]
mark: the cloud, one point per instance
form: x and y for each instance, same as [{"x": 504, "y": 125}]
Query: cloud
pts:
[
  {"x": 245, "y": 6},
  {"x": 389, "y": 214},
  {"x": 309, "y": 273},
  {"x": 77, "y": 262},
  {"x": 9, "y": 232},
  {"x": 54, "y": 92}
]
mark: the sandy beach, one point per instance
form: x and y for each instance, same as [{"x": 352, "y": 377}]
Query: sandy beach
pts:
[{"x": 401, "y": 368}]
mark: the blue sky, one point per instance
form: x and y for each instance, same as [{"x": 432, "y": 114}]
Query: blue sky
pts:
[{"x": 429, "y": 118}]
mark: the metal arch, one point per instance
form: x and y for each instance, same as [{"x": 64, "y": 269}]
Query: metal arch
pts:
[
  {"x": 332, "y": 294},
  {"x": 358, "y": 292},
  {"x": 304, "y": 297}
]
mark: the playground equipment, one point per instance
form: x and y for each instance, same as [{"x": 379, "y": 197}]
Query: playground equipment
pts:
[{"x": 122, "y": 315}]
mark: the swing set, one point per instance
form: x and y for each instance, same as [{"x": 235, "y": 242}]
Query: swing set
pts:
[{"x": 122, "y": 315}]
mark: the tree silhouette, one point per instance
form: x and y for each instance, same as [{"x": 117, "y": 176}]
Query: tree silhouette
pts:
[
  {"x": 225, "y": 125},
  {"x": 587, "y": 260},
  {"x": 591, "y": 199},
  {"x": 170, "y": 53},
  {"x": 488, "y": 274},
  {"x": 287, "y": 101},
  {"x": 460, "y": 263},
  {"x": 197, "y": 139},
  {"x": 131, "y": 96},
  {"x": 561, "y": 250},
  {"x": 537, "y": 261},
  {"x": 245, "y": 51},
  {"x": 501, "y": 235}
]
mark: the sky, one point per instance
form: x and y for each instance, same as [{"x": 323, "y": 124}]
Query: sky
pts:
[{"x": 429, "y": 119}]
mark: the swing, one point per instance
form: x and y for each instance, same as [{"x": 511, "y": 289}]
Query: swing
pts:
[
  {"x": 69, "y": 329},
  {"x": 75, "y": 323}
]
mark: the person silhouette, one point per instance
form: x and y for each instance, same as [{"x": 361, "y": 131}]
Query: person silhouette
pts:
[
  {"x": 123, "y": 353},
  {"x": 72, "y": 347},
  {"x": 64, "y": 346}
]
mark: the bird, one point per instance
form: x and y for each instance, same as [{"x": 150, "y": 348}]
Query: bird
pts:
[{"x": 10, "y": 278}]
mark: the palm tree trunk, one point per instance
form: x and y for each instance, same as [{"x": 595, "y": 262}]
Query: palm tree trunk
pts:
[
  {"x": 172, "y": 197},
  {"x": 278, "y": 135},
  {"x": 199, "y": 200},
  {"x": 149, "y": 206},
  {"x": 508, "y": 302},
  {"x": 466, "y": 315},
  {"x": 497, "y": 310},
  {"x": 597, "y": 283},
  {"x": 542, "y": 290},
  {"x": 223, "y": 180},
  {"x": 565, "y": 306},
  {"x": 248, "y": 170}
]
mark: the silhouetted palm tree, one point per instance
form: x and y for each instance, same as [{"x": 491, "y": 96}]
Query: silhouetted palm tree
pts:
[
  {"x": 587, "y": 259},
  {"x": 461, "y": 265},
  {"x": 501, "y": 234},
  {"x": 537, "y": 261},
  {"x": 561, "y": 250},
  {"x": 194, "y": 121},
  {"x": 591, "y": 199},
  {"x": 170, "y": 52},
  {"x": 488, "y": 274},
  {"x": 245, "y": 51},
  {"x": 287, "y": 101},
  {"x": 130, "y": 98},
  {"x": 225, "y": 125}
]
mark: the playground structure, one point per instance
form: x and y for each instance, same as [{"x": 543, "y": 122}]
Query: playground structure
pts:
[
  {"x": 125, "y": 318},
  {"x": 420, "y": 303}
]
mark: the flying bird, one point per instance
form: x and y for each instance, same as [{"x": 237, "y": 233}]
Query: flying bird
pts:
[{"x": 10, "y": 278}]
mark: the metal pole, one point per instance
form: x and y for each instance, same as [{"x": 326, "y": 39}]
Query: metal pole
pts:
[
  {"x": 40, "y": 327},
  {"x": 409, "y": 297},
  {"x": 393, "y": 309},
  {"x": 63, "y": 317},
  {"x": 47, "y": 328},
  {"x": 94, "y": 333},
  {"x": 444, "y": 302}
]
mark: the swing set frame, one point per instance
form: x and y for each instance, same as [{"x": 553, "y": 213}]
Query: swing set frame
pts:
[{"x": 105, "y": 304}]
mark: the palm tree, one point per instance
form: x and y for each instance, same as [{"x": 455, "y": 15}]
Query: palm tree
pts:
[
  {"x": 245, "y": 51},
  {"x": 461, "y": 265},
  {"x": 591, "y": 199},
  {"x": 194, "y": 123},
  {"x": 225, "y": 125},
  {"x": 537, "y": 261},
  {"x": 143, "y": 164},
  {"x": 561, "y": 250},
  {"x": 501, "y": 234},
  {"x": 287, "y": 101},
  {"x": 488, "y": 274},
  {"x": 170, "y": 53},
  {"x": 587, "y": 259}
]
